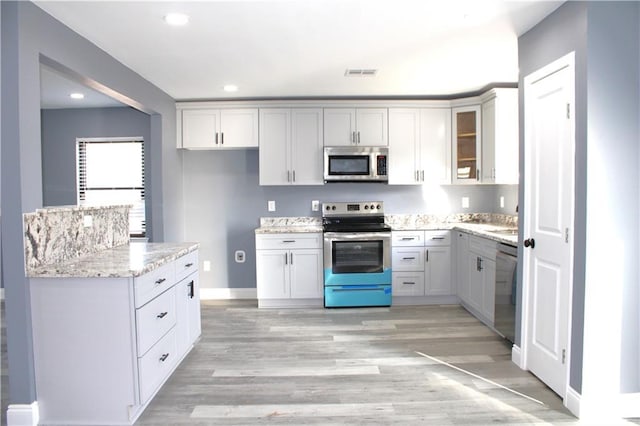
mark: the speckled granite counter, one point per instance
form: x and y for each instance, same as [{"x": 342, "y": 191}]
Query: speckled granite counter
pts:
[
  {"x": 480, "y": 224},
  {"x": 128, "y": 260}
]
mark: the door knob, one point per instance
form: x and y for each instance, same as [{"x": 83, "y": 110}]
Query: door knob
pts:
[{"x": 530, "y": 242}]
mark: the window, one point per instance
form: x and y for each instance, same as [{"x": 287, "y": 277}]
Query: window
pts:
[{"x": 111, "y": 171}]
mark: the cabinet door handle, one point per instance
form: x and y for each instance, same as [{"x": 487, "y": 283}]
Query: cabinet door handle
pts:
[
  {"x": 162, "y": 315},
  {"x": 353, "y": 138},
  {"x": 291, "y": 262},
  {"x": 164, "y": 357},
  {"x": 288, "y": 176},
  {"x": 216, "y": 138},
  {"x": 422, "y": 175},
  {"x": 478, "y": 174},
  {"x": 221, "y": 138},
  {"x": 286, "y": 259},
  {"x": 417, "y": 175},
  {"x": 426, "y": 255},
  {"x": 358, "y": 138},
  {"x": 294, "y": 175},
  {"x": 161, "y": 280},
  {"x": 408, "y": 283},
  {"x": 191, "y": 289},
  {"x": 479, "y": 263},
  {"x": 408, "y": 258}
]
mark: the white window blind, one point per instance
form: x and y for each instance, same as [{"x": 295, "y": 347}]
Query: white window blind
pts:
[{"x": 111, "y": 171}]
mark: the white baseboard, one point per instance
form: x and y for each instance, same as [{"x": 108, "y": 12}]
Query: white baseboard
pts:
[
  {"x": 516, "y": 356},
  {"x": 228, "y": 293},
  {"x": 23, "y": 414},
  {"x": 572, "y": 401},
  {"x": 630, "y": 405}
]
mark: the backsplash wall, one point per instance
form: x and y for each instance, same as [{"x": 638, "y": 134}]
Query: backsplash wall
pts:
[{"x": 223, "y": 204}]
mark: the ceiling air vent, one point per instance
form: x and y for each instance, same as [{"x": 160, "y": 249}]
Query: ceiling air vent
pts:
[{"x": 360, "y": 72}]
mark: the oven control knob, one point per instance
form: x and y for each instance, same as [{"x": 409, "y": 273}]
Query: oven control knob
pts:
[
  {"x": 333, "y": 207},
  {"x": 379, "y": 207},
  {"x": 366, "y": 207},
  {"x": 373, "y": 207},
  {"x": 328, "y": 208}
]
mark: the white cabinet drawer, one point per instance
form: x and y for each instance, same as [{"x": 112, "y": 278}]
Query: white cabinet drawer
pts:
[
  {"x": 288, "y": 241},
  {"x": 153, "y": 283},
  {"x": 154, "y": 319},
  {"x": 437, "y": 238},
  {"x": 407, "y": 238},
  {"x": 407, "y": 284},
  {"x": 156, "y": 365},
  {"x": 186, "y": 265},
  {"x": 407, "y": 259}
]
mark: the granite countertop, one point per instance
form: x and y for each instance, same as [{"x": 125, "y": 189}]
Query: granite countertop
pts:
[
  {"x": 127, "y": 260},
  {"x": 482, "y": 225}
]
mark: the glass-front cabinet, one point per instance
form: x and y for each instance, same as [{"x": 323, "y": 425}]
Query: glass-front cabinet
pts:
[{"x": 466, "y": 144}]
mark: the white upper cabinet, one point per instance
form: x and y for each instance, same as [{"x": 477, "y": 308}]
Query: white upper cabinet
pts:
[
  {"x": 500, "y": 137},
  {"x": 291, "y": 146},
  {"x": 206, "y": 128},
  {"x": 355, "y": 126},
  {"x": 467, "y": 144},
  {"x": 419, "y": 146}
]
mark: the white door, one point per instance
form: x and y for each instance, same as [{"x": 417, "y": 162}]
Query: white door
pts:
[
  {"x": 339, "y": 126},
  {"x": 438, "y": 271},
  {"x": 306, "y": 146},
  {"x": 239, "y": 128},
  {"x": 404, "y": 140},
  {"x": 272, "y": 274},
  {"x": 548, "y": 224},
  {"x": 435, "y": 146}
]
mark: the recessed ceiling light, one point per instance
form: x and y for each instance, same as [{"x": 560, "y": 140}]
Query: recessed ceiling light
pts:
[
  {"x": 230, "y": 88},
  {"x": 176, "y": 19},
  {"x": 76, "y": 96}
]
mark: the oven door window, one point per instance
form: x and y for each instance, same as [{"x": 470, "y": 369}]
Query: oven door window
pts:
[
  {"x": 350, "y": 257},
  {"x": 345, "y": 165}
]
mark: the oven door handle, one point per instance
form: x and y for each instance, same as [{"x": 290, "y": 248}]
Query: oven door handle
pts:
[{"x": 358, "y": 236}]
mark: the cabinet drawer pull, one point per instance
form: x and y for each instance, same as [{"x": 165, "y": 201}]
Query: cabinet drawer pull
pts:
[
  {"x": 407, "y": 238},
  {"x": 408, "y": 283},
  {"x": 164, "y": 357},
  {"x": 188, "y": 265},
  {"x": 408, "y": 258},
  {"x": 162, "y": 315},
  {"x": 288, "y": 241},
  {"x": 161, "y": 280},
  {"x": 437, "y": 238}
]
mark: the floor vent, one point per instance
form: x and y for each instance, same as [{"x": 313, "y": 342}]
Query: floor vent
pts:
[{"x": 360, "y": 72}]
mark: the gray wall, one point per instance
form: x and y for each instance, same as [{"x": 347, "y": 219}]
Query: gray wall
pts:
[
  {"x": 30, "y": 36},
  {"x": 604, "y": 36},
  {"x": 613, "y": 145},
  {"x": 61, "y": 127},
  {"x": 224, "y": 203}
]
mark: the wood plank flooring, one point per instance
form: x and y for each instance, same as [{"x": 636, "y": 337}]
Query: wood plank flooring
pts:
[{"x": 349, "y": 366}]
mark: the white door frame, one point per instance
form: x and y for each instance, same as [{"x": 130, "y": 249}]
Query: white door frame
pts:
[{"x": 567, "y": 61}]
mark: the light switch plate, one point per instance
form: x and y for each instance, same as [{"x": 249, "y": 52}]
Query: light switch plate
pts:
[
  {"x": 465, "y": 202},
  {"x": 206, "y": 265},
  {"x": 502, "y": 201},
  {"x": 315, "y": 205},
  {"x": 271, "y": 206}
]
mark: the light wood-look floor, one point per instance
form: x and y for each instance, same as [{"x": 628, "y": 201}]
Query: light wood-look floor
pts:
[{"x": 349, "y": 366}]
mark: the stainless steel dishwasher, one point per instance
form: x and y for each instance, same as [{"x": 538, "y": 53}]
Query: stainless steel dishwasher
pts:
[{"x": 505, "y": 298}]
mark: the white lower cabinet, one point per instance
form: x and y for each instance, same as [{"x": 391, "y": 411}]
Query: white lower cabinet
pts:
[
  {"x": 289, "y": 270},
  {"x": 421, "y": 265},
  {"x": 481, "y": 270},
  {"x": 103, "y": 347}
]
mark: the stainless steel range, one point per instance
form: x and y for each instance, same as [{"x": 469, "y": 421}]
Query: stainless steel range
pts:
[{"x": 357, "y": 254}]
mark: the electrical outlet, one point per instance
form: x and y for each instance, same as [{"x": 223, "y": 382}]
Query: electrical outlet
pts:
[
  {"x": 502, "y": 201},
  {"x": 206, "y": 265},
  {"x": 240, "y": 256},
  {"x": 465, "y": 202},
  {"x": 87, "y": 221},
  {"x": 315, "y": 205},
  {"x": 271, "y": 206}
]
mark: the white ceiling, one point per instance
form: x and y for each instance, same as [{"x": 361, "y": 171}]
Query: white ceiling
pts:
[{"x": 301, "y": 48}]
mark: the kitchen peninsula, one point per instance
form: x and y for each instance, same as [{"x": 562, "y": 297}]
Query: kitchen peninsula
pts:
[{"x": 111, "y": 319}]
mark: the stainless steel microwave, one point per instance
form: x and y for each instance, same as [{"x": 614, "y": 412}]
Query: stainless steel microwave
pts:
[{"x": 355, "y": 163}]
